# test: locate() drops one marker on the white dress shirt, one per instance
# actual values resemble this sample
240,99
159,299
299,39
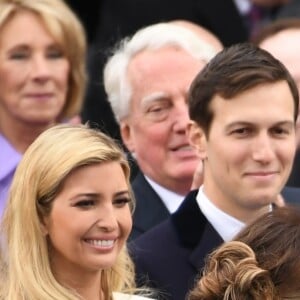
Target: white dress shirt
226,225
170,199
243,6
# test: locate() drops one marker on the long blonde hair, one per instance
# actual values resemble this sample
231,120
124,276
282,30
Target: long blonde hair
68,31
25,267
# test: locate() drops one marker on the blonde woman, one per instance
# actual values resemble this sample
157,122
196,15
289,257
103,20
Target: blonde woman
68,217
42,75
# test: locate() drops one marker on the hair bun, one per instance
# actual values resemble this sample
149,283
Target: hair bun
232,272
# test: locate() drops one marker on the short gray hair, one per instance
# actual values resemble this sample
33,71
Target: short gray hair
151,37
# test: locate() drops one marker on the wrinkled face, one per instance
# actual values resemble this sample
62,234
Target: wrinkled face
156,128
289,55
34,72
90,220
250,148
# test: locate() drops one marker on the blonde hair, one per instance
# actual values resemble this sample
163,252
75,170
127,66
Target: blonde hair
25,267
67,30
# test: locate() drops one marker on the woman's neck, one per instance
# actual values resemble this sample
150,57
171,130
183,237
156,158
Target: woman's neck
87,285
21,136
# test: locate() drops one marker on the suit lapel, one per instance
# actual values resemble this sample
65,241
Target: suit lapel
194,231
150,210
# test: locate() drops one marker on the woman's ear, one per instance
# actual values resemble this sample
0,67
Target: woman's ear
197,138
44,226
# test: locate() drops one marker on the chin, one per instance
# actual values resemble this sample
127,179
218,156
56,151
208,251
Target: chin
186,170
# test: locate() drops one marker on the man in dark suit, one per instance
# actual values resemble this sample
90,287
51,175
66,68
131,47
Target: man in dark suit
243,106
146,80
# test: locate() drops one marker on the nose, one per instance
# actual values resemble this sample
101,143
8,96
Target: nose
180,117
106,219
263,149
40,68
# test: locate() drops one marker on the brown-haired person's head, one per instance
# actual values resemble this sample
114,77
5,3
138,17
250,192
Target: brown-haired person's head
272,38
262,262
243,106
231,72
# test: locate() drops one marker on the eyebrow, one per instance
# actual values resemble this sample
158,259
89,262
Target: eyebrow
97,195
25,46
245,123
152,97
122,193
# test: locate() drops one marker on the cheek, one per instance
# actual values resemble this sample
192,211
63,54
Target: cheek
288,153
125,221
233,154
10,79
62,74
62,226
154,135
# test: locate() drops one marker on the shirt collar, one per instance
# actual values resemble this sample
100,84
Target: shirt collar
170,199
243,6
226,225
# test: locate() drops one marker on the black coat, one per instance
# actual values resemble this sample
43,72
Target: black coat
150,210
171,255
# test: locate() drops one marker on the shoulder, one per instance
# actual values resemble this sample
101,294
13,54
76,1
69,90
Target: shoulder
291,195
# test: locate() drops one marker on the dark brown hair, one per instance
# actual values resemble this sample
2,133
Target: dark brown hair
276,27
231,72
262,263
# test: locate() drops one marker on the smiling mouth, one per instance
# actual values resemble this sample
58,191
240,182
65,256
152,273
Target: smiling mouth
101,243
261,174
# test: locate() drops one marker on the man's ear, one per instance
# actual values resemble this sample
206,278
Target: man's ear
197,138
127,136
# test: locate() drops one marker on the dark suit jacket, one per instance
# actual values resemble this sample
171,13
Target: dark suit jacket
170,256
172,253
291,195
294,179
150,210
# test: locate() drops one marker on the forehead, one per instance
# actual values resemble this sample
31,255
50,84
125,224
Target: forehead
271,102
162,70
88,176
24,27
289,55
164,59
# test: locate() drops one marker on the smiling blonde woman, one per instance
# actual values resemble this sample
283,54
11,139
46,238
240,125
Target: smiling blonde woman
67,220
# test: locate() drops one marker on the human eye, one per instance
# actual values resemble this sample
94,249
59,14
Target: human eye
158,111
84,203
55,52
241,132
121,202
19,55
280,131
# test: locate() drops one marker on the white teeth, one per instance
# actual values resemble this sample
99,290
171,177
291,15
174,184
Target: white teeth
101,243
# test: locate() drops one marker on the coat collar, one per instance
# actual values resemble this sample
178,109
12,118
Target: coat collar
194,231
